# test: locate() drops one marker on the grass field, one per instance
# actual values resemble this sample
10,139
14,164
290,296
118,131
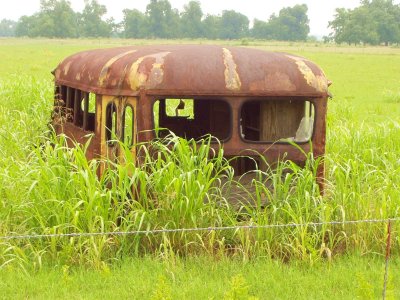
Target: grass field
50,189
205,278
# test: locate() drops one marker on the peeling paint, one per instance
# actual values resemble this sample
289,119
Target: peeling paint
232,79
138,78
66,67
106,67
319,82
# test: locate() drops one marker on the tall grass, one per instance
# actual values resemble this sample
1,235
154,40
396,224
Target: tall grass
46,187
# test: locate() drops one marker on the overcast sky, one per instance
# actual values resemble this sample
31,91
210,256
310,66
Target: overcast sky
319,11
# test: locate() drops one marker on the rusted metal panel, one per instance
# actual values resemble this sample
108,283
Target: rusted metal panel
198,69
80,136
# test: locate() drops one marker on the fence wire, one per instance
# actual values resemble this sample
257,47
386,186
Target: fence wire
181,230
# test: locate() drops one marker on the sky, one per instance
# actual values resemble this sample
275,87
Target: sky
320,12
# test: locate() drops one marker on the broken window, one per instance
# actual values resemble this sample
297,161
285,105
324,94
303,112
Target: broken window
192,118
274,120
88,110
111,124
128,125
69,106
76,106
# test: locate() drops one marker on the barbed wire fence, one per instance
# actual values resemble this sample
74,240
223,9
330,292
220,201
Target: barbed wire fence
388,221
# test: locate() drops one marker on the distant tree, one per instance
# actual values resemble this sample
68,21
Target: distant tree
28,26
23,25
135,24
373,22
174,24
234,25
116,27
7,27
340,25
353,27
292,24
55,19
211,27
91,23
386,16
163,21
261,30
191,20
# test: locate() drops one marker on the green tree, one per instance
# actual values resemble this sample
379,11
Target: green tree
261,30
56,19
27,26
135,24
191,20
340,25
91,23
23,25
386,17
234,25
373,22
211,27
7,27
174,24
292,24
163,21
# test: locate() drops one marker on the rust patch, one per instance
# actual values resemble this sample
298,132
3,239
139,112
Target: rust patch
106,67
232,79
138,78
274,82
319,82
80,74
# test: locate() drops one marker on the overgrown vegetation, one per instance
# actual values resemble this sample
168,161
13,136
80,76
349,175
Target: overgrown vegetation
47,188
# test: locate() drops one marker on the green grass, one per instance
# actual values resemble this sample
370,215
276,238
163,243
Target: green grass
47,188
206,278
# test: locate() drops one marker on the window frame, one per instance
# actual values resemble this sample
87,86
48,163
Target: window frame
154,99
133,125
108,133
279,142
69,102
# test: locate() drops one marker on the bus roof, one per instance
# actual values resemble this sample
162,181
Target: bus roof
191,70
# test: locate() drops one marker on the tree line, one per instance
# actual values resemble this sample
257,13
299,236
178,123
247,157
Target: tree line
372,22
56,19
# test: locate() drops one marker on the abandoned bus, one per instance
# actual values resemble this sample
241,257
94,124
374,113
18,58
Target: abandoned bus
253,101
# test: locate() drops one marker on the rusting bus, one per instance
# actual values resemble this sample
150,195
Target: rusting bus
252,100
